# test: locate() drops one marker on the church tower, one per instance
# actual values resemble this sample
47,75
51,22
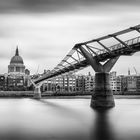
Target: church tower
16,64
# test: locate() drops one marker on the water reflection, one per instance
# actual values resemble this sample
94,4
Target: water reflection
102,129
68,119
62,109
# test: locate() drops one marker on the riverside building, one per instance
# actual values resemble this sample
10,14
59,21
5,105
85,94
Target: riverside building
89,83
131,83
70,83
115,82
17,77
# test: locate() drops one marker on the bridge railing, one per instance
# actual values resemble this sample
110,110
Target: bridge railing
75,60
133,41
112,48
61,66
119,45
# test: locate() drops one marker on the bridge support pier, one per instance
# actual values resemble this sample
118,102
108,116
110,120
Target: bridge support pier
102,96
37,93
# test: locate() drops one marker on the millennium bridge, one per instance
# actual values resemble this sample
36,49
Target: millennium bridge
101,58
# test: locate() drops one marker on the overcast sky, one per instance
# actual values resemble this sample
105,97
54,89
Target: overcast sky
46,30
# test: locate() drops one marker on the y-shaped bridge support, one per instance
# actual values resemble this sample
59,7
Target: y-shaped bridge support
37,91
102,96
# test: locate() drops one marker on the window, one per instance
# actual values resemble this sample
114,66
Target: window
17,69
12,69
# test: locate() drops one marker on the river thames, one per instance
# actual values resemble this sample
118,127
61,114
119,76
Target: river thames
68,119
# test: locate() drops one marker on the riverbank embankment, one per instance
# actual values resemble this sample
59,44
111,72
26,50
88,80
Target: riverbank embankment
18,94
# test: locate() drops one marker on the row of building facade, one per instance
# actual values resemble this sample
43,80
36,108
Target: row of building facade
69,83
85,83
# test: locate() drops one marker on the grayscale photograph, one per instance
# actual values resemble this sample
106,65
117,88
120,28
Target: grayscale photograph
69,70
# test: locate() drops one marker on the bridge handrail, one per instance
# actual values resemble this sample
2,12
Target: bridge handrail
66,65
114,47
119,45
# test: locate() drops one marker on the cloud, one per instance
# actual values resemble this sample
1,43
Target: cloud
44,38
56,5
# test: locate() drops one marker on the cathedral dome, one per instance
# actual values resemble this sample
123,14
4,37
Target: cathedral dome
16,59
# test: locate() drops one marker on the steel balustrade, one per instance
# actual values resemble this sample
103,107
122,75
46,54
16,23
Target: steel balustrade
78,62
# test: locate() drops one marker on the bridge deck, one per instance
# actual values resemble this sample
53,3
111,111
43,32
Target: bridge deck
128,47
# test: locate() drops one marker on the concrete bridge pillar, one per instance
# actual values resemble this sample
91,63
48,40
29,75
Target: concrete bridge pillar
102,96
37,92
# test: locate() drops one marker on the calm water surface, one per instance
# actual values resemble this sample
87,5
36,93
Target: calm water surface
68,119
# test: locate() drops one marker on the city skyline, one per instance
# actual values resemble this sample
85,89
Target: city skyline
46,31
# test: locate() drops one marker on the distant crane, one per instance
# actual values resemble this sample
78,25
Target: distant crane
135,71
128,71
37,69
